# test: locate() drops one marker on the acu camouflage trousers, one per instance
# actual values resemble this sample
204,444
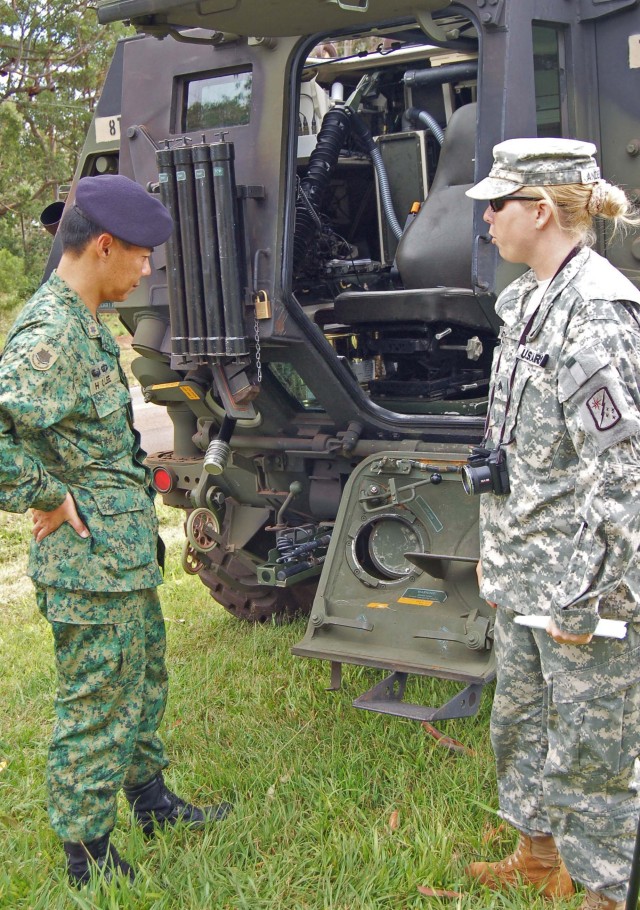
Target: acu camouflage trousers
112,692
565,729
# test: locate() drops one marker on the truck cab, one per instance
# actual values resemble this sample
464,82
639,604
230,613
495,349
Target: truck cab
320,327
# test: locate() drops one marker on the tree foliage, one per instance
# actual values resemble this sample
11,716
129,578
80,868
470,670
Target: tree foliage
53,60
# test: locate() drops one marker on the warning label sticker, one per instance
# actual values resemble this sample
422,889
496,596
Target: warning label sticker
422,597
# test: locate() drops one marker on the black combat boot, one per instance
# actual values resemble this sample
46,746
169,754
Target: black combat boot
154,804
97,856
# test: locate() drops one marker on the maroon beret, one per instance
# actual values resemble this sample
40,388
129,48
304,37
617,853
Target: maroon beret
123,208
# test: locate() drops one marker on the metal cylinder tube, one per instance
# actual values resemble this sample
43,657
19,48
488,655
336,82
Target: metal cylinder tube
50,217
219,450
189,236
228,224
175,270
438,75
209,254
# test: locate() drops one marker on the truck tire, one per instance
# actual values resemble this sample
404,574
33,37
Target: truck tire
251,602
230,575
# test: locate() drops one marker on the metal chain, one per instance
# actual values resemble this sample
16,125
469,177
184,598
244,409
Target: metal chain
258,360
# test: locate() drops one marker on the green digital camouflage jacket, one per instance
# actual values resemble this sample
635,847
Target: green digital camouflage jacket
566,401
66,425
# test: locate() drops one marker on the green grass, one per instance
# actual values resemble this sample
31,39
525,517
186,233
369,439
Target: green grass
9,309
314,782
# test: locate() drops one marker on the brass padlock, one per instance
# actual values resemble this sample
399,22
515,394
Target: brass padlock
263,305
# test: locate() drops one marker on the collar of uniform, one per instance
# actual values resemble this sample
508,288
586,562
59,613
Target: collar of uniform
556,287
68,296
509,304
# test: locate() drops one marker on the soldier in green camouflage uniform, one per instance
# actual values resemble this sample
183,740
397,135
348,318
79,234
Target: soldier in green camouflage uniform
68,451
565,410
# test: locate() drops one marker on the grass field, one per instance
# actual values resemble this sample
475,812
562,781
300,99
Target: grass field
335,809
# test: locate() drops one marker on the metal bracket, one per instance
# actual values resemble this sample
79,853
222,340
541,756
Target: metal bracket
491,13
336,676
200,495
361,622
595,9
477,632
435,564
386,698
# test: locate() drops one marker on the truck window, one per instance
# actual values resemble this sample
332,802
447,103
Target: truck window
217,101
294,385
549,70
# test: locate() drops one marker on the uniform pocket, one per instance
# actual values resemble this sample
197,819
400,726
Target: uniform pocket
90,662
108,399
116,502
124,528
599,678
599,711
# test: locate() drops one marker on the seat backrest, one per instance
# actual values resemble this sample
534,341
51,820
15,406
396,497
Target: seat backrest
436,249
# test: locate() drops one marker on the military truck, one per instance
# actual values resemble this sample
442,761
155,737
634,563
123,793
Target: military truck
320,327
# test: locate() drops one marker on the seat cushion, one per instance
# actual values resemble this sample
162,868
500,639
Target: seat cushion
454,306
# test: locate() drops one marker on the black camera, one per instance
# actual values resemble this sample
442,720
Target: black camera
485,472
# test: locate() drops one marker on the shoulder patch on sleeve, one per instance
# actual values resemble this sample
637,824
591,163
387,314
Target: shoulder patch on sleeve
603,409
606,411
43,355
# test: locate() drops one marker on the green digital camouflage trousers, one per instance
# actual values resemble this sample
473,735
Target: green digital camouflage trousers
112,691
565,729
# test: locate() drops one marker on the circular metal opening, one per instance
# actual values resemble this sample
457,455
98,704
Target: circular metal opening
381,543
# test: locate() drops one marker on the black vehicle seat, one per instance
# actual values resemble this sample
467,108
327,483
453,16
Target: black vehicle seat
436,248
434,253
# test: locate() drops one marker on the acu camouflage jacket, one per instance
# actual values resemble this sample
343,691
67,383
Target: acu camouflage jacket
566,403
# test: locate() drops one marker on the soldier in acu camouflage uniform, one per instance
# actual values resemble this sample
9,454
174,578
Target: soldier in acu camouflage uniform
565,411
69,452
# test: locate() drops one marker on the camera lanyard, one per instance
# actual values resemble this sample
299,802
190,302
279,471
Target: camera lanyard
521,341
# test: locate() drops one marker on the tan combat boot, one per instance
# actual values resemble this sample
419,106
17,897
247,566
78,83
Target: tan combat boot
535,861
595,901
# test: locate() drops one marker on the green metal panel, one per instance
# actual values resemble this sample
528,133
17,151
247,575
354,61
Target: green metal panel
377,607
266,17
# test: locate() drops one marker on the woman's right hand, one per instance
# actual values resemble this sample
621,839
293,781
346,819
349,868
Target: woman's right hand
479,574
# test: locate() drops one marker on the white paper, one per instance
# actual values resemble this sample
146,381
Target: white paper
606,628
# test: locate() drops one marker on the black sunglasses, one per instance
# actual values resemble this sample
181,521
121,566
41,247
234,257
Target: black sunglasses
496,205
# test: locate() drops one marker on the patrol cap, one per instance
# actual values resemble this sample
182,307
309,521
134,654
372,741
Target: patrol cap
537,162
123,208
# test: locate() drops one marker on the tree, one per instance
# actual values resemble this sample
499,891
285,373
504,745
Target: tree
53,60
